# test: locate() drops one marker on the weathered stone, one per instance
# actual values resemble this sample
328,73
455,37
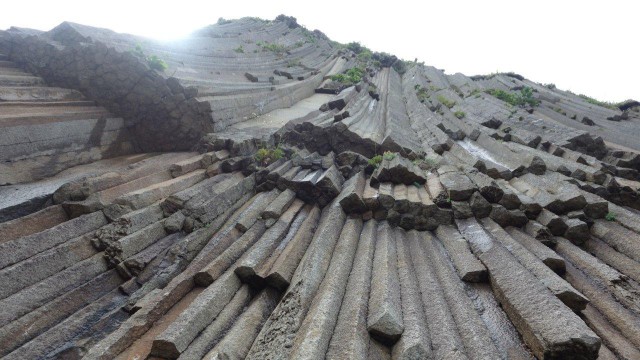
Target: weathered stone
577,231
398,170
279,205
558,286
350,337
554,261
506,217
237,342
385,313
315,332
535,312
469,268
538,231
414,342
353,203
487,187
458,186
249,265
537,166
175,339
479,205
14,251
461,209
280,273
553,222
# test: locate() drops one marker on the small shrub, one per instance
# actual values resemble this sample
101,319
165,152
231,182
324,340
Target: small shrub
610,216
293,63
375,161
432,163
421,93
388,155
474,92
350,77
426,163
356,47
156,63
223,21
459,114
525,97
365,55
239,49
446,102
276,48
267,156
606,104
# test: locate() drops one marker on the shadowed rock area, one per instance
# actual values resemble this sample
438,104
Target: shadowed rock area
258,191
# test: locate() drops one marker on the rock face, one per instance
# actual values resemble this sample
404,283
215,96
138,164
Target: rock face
277,196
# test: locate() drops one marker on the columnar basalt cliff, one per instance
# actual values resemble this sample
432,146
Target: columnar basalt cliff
259,191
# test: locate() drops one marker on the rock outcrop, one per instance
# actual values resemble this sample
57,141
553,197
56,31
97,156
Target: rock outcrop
271,194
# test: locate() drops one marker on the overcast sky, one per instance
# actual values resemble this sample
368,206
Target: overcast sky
588,47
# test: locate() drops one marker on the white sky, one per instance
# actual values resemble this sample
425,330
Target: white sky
588,47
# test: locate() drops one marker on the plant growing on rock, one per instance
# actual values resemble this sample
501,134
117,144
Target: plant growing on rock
239,49
350,77
389,155
611,216
606,104
426,163
266,156
375,161
525,97
276,48
459,114
446,102
421,93
153,61
156,63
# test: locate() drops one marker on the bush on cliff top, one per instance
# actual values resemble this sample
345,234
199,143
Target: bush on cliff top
525,97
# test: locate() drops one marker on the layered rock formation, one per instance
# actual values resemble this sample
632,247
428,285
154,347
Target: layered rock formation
272,194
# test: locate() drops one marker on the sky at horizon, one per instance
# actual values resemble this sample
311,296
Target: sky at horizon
584,46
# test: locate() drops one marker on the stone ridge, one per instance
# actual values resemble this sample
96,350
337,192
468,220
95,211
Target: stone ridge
334,203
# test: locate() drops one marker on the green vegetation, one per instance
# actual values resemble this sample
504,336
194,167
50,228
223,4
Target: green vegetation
266,156
401,66
446,102
375,161
458,91
153,61
388,155
606,104
421,93
525,97
356,47
156,63
475,92
350,77
365,55
276,48
459,114
239,49
610,216
426,163
294,62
